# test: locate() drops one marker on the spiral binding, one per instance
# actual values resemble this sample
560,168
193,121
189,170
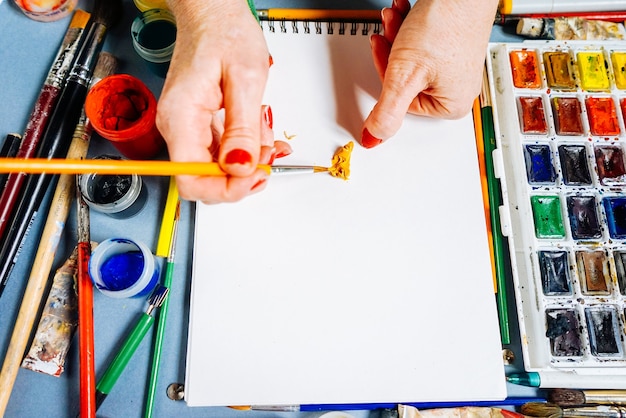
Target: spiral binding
332,27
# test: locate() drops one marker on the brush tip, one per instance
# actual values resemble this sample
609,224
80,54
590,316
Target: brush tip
567,397
106,65
541,409
107,12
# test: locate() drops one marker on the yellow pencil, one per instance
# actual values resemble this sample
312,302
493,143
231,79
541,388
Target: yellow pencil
320,14
139,167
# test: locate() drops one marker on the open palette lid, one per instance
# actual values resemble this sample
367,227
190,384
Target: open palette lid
559,111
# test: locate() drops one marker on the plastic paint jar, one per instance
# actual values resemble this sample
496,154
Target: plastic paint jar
144,5
123,268
117,195
46,10
122,109
154,38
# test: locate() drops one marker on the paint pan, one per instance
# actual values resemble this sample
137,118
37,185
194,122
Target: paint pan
539,166
533,118
592,68
154,37
610,164
620,270
525,65
562,328
564,198
603,331
574,164
602,116
583,217
615,210
618,59
593,270
559,74
547,217
567,116
555,273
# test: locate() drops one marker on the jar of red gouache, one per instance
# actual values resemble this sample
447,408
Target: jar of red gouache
122,109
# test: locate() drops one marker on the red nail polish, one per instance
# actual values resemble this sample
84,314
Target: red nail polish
368,140
258,184
238,156
268,117
271,60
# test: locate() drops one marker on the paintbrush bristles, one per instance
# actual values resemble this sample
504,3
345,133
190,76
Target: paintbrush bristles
573,397
107,12
541,409
567,397
106,65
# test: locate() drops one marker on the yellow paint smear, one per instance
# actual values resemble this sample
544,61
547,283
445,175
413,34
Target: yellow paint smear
341,162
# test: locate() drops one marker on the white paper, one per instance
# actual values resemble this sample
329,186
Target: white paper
375,289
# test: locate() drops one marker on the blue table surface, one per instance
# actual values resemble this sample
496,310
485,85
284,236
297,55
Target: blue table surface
27,48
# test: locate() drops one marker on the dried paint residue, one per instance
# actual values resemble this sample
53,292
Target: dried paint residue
341,162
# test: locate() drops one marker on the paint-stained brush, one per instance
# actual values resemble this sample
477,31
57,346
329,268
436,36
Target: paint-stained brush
115,369
58,135
48,244
44,107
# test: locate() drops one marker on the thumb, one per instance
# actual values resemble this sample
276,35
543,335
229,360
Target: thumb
400,88
241,143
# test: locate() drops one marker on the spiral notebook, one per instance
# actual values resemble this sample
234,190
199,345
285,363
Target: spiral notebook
319,290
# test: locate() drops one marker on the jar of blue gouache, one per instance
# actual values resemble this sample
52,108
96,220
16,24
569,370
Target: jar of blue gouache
154,37
123,268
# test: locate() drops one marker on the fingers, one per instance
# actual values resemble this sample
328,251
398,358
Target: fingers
241,144
380,53
385,119
402,6
392,20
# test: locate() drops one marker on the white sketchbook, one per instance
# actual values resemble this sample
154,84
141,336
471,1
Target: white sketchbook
319,290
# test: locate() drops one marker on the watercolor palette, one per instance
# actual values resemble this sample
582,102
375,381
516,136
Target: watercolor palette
560,111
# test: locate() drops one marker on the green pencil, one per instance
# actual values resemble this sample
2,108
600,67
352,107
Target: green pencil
160,330
495,200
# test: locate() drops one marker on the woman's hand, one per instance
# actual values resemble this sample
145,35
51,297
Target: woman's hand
220,61
430,59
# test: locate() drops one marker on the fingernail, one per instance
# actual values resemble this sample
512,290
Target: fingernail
268,117
271,60
258,184
238,156
368,140
272,156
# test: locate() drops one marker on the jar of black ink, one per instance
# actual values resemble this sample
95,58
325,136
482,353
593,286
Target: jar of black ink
117,195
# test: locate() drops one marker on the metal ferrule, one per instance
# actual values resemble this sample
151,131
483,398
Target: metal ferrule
88,56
